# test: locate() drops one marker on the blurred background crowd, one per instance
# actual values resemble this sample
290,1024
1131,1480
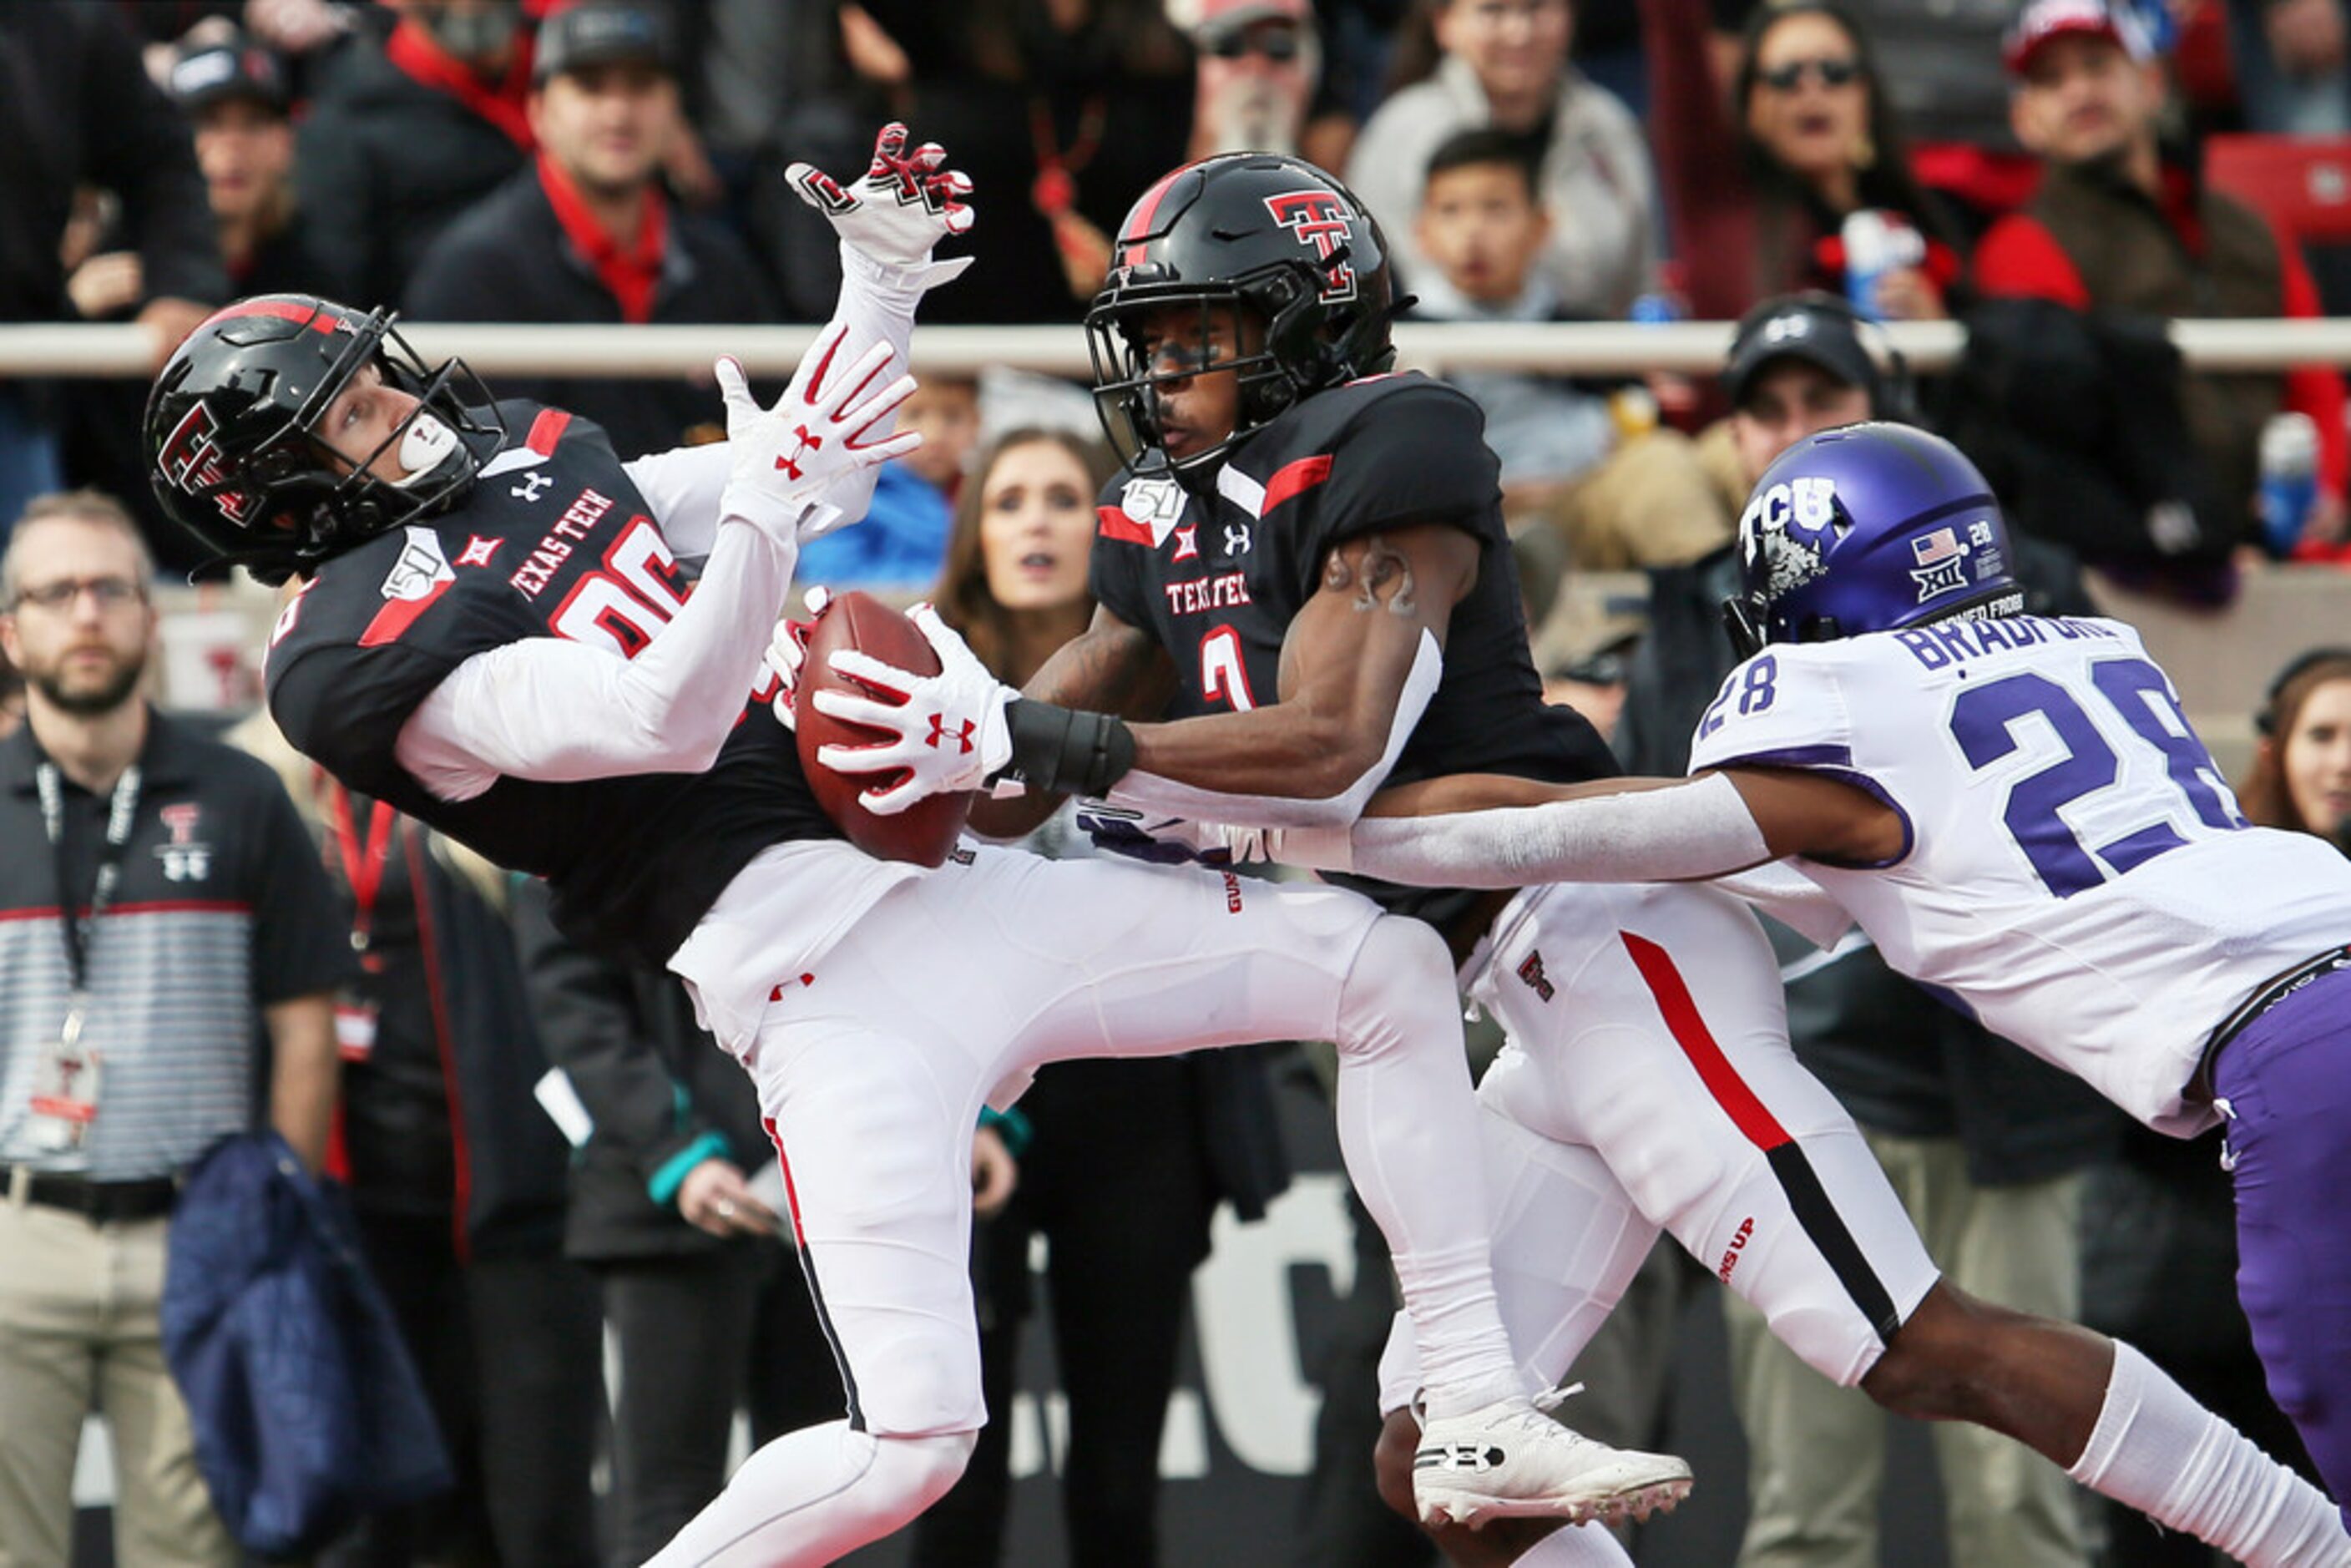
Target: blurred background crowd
554,1173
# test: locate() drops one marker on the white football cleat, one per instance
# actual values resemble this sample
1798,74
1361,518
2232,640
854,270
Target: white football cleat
1509,1460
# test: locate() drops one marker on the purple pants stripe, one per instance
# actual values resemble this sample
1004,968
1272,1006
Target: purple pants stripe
2287,1083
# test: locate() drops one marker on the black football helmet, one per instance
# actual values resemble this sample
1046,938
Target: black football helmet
231,446
1270,232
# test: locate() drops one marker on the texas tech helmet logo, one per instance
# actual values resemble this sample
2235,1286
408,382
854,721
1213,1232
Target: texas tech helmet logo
190,460
1319,218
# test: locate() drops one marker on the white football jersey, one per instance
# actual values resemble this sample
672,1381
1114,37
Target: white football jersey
2076,873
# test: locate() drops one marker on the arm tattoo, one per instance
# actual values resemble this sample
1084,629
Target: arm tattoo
1380,574
1122,672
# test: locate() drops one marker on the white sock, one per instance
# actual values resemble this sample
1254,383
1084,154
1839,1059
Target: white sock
815,1495
1577,1546
1408,1130
2158,1451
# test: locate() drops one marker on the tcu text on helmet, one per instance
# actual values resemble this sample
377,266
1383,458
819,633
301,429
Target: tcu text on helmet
1807,503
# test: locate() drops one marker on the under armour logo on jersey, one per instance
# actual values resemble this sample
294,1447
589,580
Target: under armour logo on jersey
531,486
791,466
940,734
1237,538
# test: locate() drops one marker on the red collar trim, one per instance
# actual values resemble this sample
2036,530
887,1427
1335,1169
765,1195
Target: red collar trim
2180,206
631,273
412,51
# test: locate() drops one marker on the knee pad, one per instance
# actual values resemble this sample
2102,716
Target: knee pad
1399,988
917,1378
923,1467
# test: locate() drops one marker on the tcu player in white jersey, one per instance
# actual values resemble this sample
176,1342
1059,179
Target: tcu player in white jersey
494,635
1296,524
2016,811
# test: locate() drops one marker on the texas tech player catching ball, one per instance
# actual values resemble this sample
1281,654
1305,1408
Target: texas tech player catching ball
494,633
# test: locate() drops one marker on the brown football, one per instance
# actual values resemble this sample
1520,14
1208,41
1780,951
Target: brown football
925,832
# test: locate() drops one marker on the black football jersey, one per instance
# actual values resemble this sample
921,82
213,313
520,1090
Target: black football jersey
1219,577
554,540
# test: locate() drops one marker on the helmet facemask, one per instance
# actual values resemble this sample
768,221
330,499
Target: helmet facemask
256,483
1285,248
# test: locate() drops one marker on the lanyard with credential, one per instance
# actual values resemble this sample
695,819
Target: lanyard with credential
362,867
80,930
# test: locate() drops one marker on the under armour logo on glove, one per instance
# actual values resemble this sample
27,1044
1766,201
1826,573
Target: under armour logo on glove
919,714
790,460
906,204
789,466
939,736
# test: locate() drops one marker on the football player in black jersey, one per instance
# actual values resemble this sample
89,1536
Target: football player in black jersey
1305,594
493,632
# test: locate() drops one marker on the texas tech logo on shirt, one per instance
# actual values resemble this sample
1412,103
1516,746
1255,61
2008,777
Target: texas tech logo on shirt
1319,218
186,858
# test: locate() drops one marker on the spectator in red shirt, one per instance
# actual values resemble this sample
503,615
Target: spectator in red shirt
2121,226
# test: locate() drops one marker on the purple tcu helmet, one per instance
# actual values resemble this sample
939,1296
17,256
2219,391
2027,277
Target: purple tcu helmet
1865,529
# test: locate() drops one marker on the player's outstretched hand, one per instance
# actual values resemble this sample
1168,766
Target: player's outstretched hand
906,205
1167,841
788,459
788,651
948,731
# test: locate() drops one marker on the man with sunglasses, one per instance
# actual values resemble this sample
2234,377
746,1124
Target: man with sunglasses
1260,64
161,909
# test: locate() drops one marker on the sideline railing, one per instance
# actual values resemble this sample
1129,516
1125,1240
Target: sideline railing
1590,347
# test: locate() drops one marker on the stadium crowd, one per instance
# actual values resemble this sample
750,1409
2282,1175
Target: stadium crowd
2035,171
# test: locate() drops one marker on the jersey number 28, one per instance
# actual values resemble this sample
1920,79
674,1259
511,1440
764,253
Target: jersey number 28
1984,720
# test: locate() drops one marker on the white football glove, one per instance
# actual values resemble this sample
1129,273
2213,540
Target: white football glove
790,459
906,205
1168,841
788,651
950,730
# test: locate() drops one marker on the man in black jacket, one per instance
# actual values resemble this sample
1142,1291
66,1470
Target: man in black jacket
704,1305
586,234
76,108
405,133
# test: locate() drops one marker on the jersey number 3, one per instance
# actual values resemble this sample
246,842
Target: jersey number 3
1224,674
1984,720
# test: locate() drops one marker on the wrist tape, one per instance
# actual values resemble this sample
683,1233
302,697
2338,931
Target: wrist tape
1062,750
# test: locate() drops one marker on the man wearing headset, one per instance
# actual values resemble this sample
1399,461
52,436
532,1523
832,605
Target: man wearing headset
1985,1145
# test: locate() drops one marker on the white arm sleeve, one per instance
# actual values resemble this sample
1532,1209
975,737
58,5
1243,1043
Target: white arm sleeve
550,710
1792,899
1150,792
1700,829
682,486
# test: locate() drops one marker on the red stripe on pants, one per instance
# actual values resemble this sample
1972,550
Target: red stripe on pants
1714,1069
